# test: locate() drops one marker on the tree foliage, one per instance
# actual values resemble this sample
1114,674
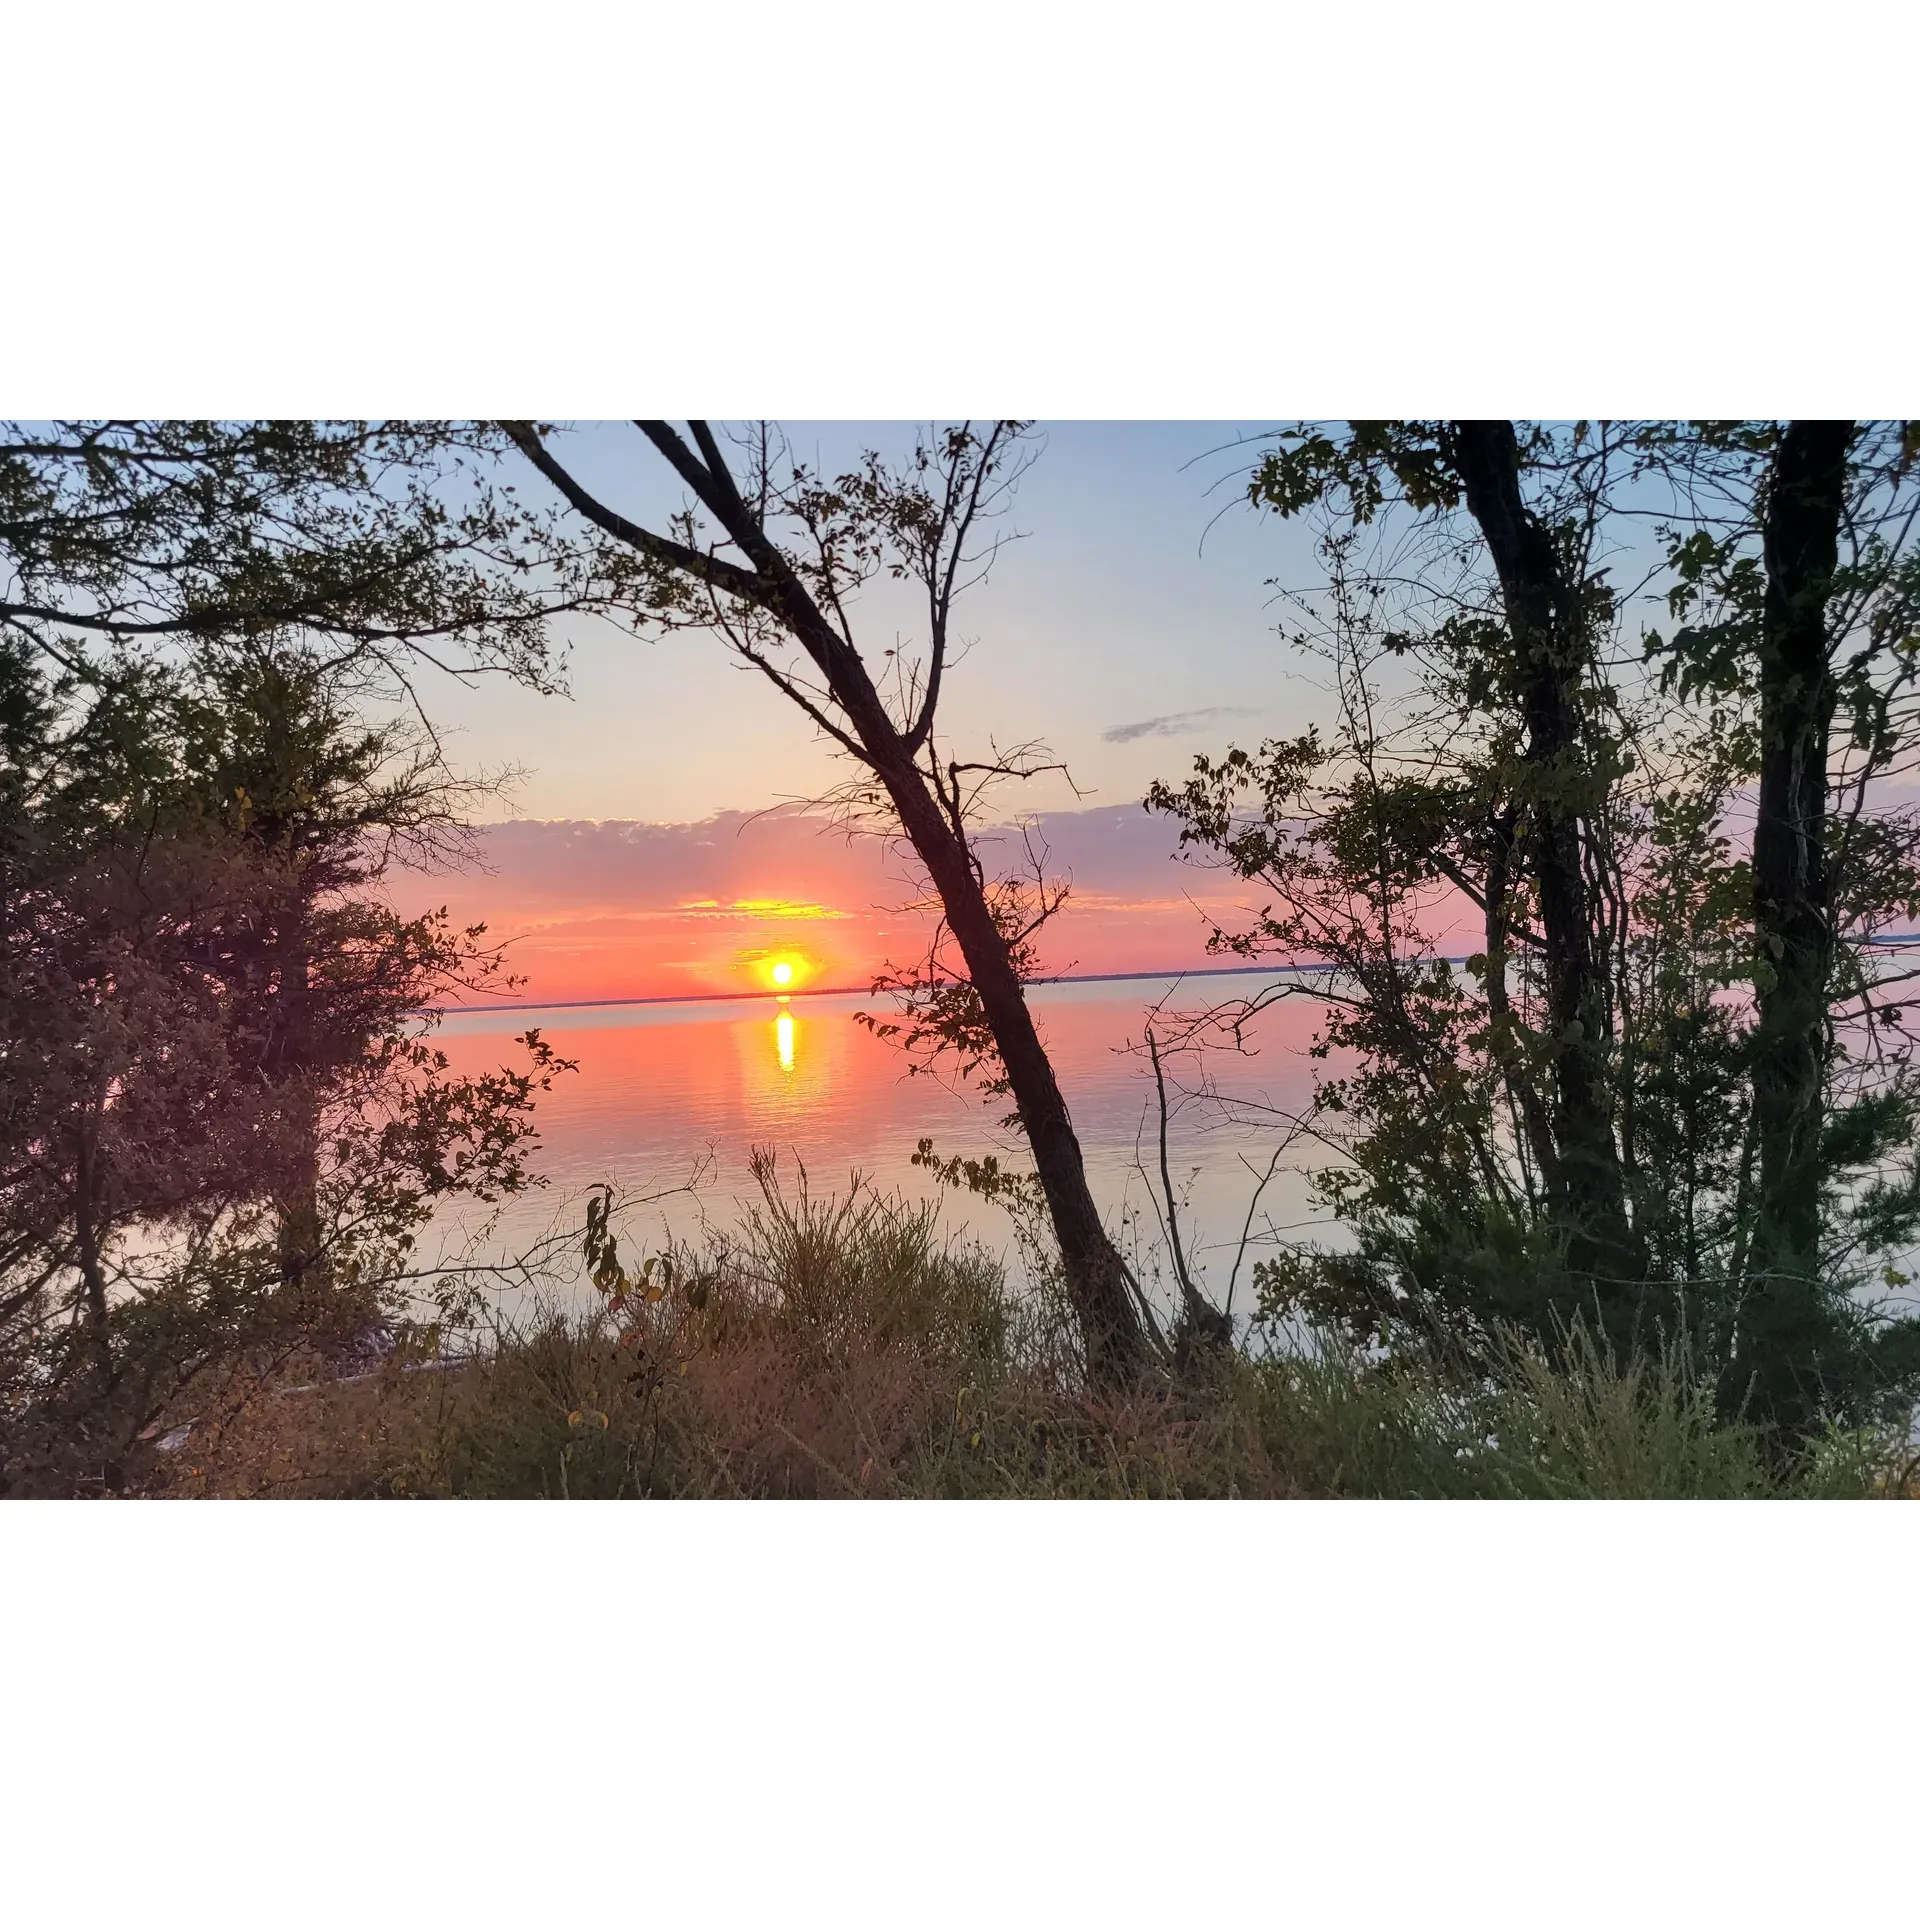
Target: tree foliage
222,1118
1569,1119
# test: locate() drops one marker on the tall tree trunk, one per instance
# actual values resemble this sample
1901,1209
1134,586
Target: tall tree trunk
297,1200
291,1057
294,1065
1501,1026
1553,652
89,1247
1784,1311
1096,1274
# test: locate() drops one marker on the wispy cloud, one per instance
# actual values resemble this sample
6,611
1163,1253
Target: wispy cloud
1164,725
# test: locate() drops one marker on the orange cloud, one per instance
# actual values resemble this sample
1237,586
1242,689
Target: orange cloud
761,910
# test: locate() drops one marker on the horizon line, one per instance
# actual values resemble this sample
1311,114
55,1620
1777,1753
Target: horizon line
828,993
1051,980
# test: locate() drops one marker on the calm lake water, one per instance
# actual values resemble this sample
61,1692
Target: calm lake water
663,1090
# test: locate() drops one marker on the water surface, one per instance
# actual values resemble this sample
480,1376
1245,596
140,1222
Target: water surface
667,1089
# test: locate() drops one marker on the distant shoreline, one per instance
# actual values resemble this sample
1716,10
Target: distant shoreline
1052,980
866,993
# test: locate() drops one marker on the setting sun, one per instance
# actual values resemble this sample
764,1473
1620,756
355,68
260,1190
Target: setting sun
784,969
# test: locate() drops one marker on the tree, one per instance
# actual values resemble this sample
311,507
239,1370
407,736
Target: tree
323,804
1798,588
791,551
1548,604
114,1056
224,1121
1642,1089
1792,892
1552,604
382,542
216,1081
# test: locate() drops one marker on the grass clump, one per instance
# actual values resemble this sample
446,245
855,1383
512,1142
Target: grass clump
1511,1420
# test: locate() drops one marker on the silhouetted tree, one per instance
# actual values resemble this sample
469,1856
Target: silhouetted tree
789,551
1641,1104
216,1075
1798,586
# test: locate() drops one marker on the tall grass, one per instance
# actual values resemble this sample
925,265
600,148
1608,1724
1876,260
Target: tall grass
845,1345
1512,1420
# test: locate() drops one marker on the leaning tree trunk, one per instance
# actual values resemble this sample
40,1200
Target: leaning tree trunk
1096,1274
1784,1313
1553,651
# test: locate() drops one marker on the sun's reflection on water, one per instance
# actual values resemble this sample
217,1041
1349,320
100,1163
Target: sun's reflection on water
661,1084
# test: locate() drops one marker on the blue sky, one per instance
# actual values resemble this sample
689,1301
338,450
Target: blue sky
1136,596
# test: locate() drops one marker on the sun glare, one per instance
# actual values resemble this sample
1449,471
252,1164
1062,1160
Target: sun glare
783,1041
783,971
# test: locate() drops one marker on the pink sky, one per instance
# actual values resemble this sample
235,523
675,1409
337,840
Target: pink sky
623,909
1129,627
619,909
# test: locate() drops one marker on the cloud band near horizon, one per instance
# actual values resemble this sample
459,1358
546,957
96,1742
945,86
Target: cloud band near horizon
617,909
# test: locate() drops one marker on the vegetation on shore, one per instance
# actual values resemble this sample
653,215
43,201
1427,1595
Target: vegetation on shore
1627,1203
845,1347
